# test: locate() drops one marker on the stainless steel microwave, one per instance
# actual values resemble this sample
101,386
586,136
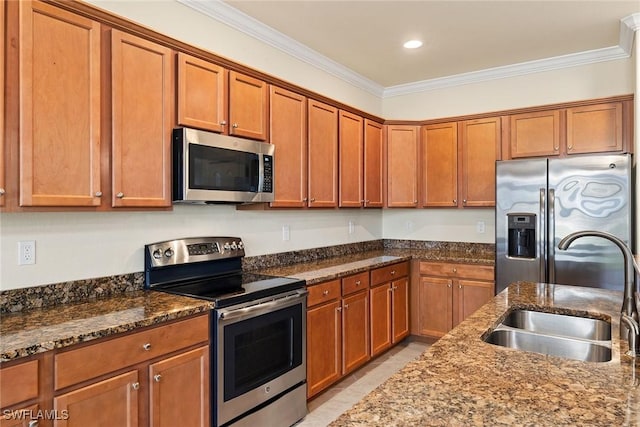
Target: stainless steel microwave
215,168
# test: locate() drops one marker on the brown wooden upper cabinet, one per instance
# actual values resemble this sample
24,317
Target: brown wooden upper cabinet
142,102
210,97
480,142
595,128
288,132
323,155
440,165
59,107
402,166
373,164
351,142
202,94
535,134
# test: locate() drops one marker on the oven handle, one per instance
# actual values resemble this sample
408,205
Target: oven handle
268,305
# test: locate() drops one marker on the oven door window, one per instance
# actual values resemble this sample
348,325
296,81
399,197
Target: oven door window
212,168
261,348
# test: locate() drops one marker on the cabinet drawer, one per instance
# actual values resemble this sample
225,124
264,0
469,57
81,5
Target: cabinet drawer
355,283
388,273
444,269
18,383
84,363
323,292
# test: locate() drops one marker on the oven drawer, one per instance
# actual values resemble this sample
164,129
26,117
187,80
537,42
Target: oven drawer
88,362
355,283
389,273
324,292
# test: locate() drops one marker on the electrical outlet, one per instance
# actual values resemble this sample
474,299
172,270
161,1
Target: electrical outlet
480,227
27,252
352,226
285,233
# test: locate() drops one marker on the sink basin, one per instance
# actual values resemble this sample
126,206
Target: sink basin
561,335
584,350
559,324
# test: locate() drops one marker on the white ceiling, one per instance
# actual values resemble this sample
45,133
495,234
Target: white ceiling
361,40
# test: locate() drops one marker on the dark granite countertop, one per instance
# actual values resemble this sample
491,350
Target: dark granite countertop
463,381
332,268
36,331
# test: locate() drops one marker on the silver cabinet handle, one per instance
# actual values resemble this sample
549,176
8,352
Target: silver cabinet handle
33,423
304,199
235,125
393,272
455,270
455,201
448,285
325,292
464,201
120,195
358,282
223,123
157,378
98,193
346,306
2,194
312,200
459,286
135,385
339,309
146,346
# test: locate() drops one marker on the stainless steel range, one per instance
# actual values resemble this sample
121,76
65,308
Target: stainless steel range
258,328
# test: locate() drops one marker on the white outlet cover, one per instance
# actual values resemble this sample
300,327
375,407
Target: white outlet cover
26,252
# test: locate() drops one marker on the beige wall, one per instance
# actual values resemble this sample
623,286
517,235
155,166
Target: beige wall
73,246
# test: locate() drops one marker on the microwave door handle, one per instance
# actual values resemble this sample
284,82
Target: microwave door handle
260,173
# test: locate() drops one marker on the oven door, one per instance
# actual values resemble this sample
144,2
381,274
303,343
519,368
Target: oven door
260,353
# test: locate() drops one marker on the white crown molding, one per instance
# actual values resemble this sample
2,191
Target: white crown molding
240,21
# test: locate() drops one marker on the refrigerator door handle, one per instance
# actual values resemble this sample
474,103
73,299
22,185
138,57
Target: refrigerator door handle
542,235
551,236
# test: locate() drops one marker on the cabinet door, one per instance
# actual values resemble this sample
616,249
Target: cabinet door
402,166
400,309
373,165
202,94
19,383
59,107
323,155
324,344
380,310
143,98
288,132
535,134
479,151
470,296
183,378
248,106
594,128
440,165
435,306
2,83
20,417
351,143
355,331
112,402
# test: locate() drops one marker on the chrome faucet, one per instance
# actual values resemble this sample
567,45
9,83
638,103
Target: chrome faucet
629,327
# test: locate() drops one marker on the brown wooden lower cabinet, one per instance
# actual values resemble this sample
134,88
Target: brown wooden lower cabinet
389,314
448,293
19,417
323,346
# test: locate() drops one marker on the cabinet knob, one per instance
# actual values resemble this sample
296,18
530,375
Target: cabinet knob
304,199
393,288
235,125
339,309
346,306
120,195
1,191
464,201
98,193
325,292
448,285
455,270
459,286
146,346
569,147
135,385
223,123
393,272
157,378
33,423
358,282
455,201
312,200
415,202
556,148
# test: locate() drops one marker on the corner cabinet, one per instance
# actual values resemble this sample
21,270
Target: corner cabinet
60,107
142,79
448,293
402,166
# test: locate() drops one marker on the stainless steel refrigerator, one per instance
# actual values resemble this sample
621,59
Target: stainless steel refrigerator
540,201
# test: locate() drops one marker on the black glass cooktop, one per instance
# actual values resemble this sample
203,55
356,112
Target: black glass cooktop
231,289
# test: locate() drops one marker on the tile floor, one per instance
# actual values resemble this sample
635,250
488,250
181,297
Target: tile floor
343,395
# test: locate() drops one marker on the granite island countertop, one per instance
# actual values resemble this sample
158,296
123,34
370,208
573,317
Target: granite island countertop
36,331
463,381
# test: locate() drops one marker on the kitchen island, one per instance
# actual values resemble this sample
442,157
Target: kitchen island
461,380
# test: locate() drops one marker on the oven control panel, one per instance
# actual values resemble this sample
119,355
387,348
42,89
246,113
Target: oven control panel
193,249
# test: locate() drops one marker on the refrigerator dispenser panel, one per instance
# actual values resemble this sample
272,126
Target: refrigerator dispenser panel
521,235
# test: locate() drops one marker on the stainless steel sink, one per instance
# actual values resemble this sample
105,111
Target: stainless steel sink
560,335
559,324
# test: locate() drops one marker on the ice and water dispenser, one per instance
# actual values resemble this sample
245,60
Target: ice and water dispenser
522,235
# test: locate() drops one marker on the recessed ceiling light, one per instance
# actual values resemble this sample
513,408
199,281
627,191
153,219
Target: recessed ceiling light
412,44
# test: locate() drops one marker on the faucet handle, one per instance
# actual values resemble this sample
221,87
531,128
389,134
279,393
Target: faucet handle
633,336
